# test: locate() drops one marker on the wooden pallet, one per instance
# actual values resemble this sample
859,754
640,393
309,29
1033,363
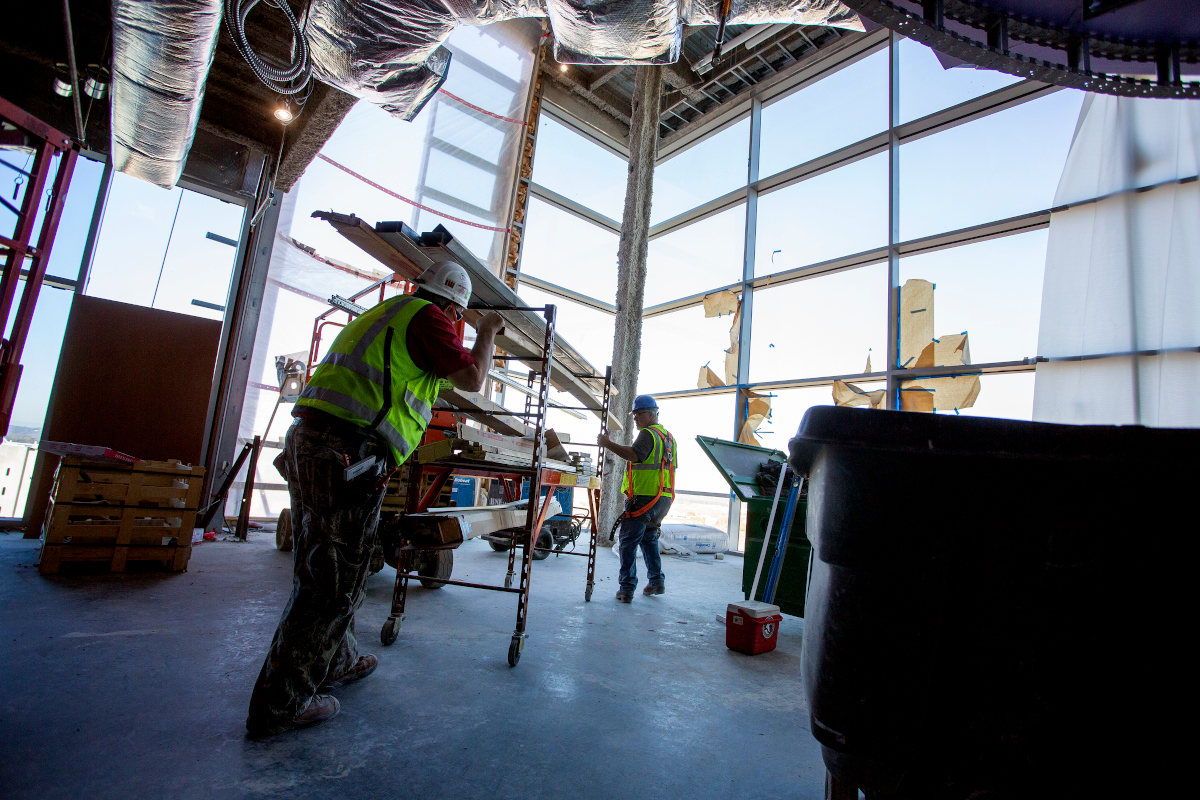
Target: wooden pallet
152,484
115,513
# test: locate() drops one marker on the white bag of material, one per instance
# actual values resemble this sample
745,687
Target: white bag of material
683,539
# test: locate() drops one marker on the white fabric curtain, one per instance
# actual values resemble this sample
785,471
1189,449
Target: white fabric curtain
1120,320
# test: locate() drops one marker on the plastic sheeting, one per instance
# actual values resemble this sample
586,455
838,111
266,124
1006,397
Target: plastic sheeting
387,53
438,159
161,55
1123,273
760,12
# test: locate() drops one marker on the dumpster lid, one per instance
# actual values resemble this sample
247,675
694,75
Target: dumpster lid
753,608
738,464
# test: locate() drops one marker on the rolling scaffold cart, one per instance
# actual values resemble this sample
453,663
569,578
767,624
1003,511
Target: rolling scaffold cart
539,476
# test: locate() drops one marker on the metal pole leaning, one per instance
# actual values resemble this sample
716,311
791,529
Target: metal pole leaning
762,557
785,530
533,515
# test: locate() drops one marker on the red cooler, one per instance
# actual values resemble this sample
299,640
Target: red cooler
752,627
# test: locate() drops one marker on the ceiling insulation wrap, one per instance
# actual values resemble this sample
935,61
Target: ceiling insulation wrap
761,12
386,52
161,55
485,12
615,31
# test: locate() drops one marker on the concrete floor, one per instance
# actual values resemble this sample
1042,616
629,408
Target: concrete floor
136,686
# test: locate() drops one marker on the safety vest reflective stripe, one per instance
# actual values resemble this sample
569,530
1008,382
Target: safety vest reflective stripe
388,393
358,409
355,364
416,404
660,461
372,333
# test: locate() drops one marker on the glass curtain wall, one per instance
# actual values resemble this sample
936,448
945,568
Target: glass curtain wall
973,157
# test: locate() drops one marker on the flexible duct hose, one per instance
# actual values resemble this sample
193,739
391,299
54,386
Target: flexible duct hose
289,81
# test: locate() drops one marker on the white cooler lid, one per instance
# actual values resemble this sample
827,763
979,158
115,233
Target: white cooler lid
753,608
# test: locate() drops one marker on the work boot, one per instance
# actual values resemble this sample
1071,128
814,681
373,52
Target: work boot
624,596
361,669
319,709
649,590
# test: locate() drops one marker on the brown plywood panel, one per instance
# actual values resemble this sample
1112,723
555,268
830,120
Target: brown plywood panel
131,378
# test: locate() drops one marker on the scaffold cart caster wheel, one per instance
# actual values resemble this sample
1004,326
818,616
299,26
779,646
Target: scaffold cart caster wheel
587,594
391,629
514,651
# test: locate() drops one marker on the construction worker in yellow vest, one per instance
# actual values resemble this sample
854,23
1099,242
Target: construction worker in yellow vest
363,412
648,485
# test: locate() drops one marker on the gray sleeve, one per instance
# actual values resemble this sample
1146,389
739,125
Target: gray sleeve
643,445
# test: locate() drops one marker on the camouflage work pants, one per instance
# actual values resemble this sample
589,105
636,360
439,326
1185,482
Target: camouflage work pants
334,524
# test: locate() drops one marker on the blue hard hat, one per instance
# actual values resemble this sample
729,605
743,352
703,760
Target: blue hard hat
643,401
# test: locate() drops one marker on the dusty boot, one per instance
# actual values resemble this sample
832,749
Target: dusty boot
624,596
319,709
649,590
361,669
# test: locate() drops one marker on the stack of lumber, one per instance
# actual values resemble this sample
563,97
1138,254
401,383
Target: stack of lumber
397,491
481,445
582,462
102,511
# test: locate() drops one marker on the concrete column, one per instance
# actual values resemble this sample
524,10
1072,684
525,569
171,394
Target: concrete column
631,278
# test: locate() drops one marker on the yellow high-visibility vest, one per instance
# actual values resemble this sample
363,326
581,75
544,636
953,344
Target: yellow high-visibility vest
368,378
657,471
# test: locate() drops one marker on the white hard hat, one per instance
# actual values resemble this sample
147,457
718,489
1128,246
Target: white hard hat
447,279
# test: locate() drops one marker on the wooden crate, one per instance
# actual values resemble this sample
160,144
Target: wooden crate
150,484
113,513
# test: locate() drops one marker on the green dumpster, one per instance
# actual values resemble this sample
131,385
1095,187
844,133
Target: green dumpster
738,463
793,579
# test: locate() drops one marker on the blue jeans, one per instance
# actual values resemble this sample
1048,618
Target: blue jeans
643,531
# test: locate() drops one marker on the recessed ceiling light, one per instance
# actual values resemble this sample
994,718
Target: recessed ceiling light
284,114
562,67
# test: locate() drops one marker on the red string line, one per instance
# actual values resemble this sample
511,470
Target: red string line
404,199
481,110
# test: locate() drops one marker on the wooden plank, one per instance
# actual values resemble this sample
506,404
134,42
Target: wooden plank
476,406
525,330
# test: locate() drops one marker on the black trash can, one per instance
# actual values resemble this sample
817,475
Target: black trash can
996,607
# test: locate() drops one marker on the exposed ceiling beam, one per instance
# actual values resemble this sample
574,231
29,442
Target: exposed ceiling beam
605,77
607,101
584,117
324,111
680,76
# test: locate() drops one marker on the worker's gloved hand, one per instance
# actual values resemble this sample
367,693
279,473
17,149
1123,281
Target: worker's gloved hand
491,323
603,440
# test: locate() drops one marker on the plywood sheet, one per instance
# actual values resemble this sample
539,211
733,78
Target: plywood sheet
134,379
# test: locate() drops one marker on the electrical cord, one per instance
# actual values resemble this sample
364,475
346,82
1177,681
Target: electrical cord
291,80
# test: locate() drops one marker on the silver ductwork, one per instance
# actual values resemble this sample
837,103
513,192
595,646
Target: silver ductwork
615,31
388,53
832,13
161,54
